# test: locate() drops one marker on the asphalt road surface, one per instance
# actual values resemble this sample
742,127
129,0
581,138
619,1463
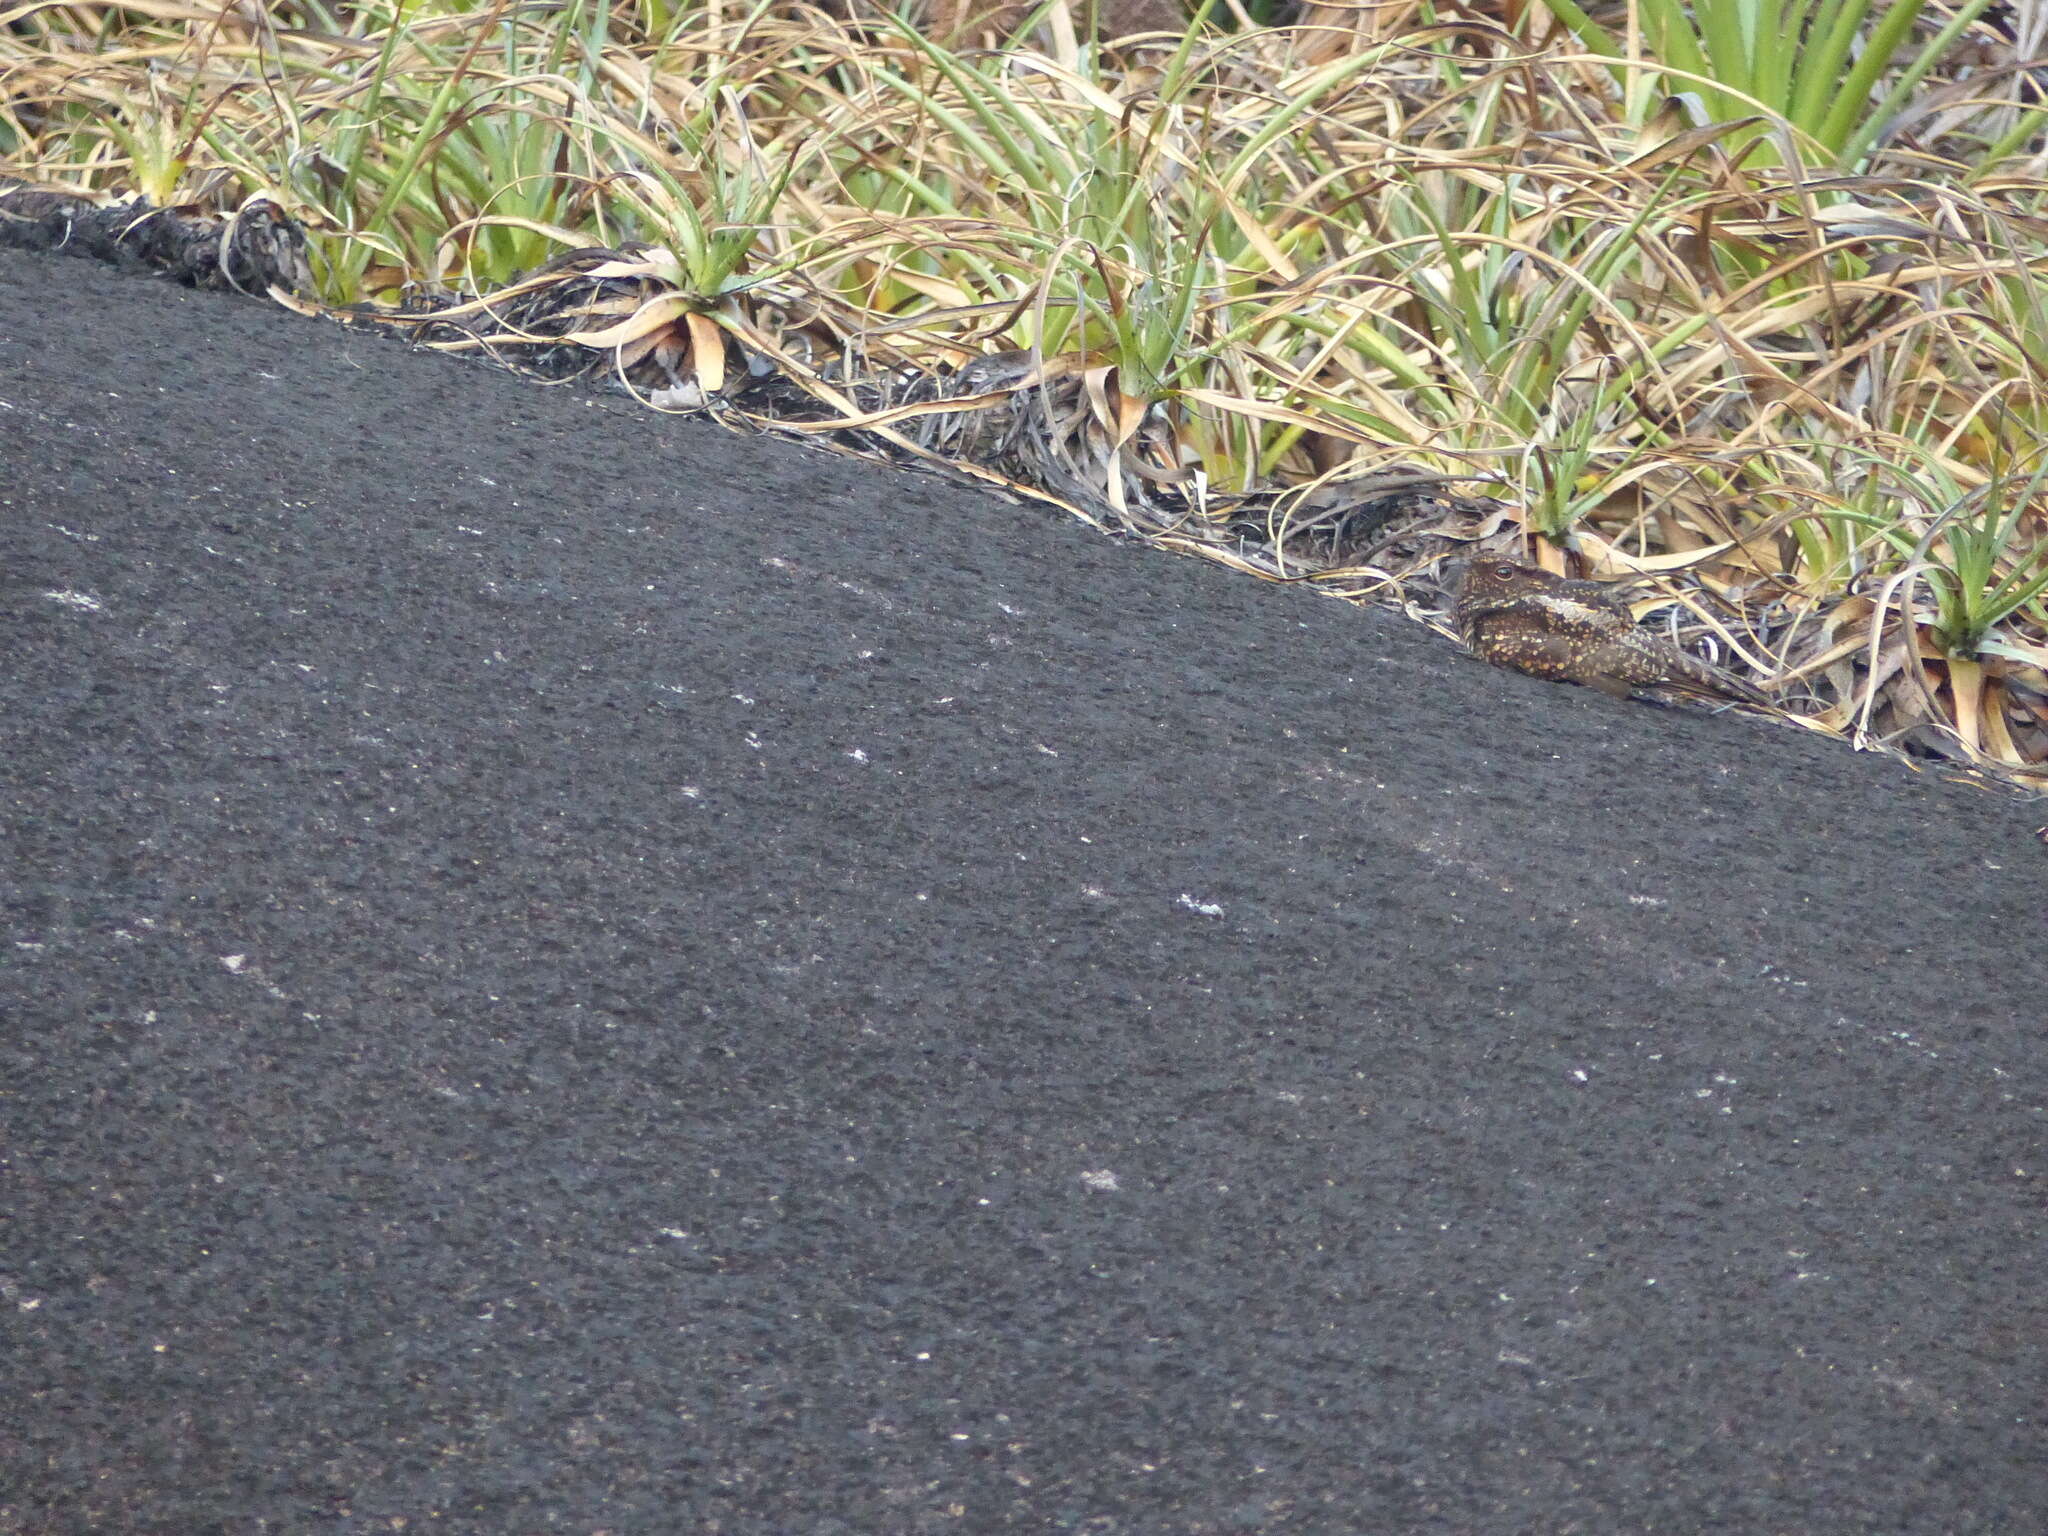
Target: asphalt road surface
572,971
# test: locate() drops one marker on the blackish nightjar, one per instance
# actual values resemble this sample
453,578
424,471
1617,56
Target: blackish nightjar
1518,616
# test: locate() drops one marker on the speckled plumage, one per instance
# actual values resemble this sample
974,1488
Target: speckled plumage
1528,619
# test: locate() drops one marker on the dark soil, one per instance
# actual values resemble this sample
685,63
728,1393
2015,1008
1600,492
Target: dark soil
569,971
249,251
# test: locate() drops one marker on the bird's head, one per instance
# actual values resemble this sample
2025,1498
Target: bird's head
1490,575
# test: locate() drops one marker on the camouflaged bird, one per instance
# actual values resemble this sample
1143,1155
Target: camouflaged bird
1574,632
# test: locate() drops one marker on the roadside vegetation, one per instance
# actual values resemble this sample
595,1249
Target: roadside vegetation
1745,301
